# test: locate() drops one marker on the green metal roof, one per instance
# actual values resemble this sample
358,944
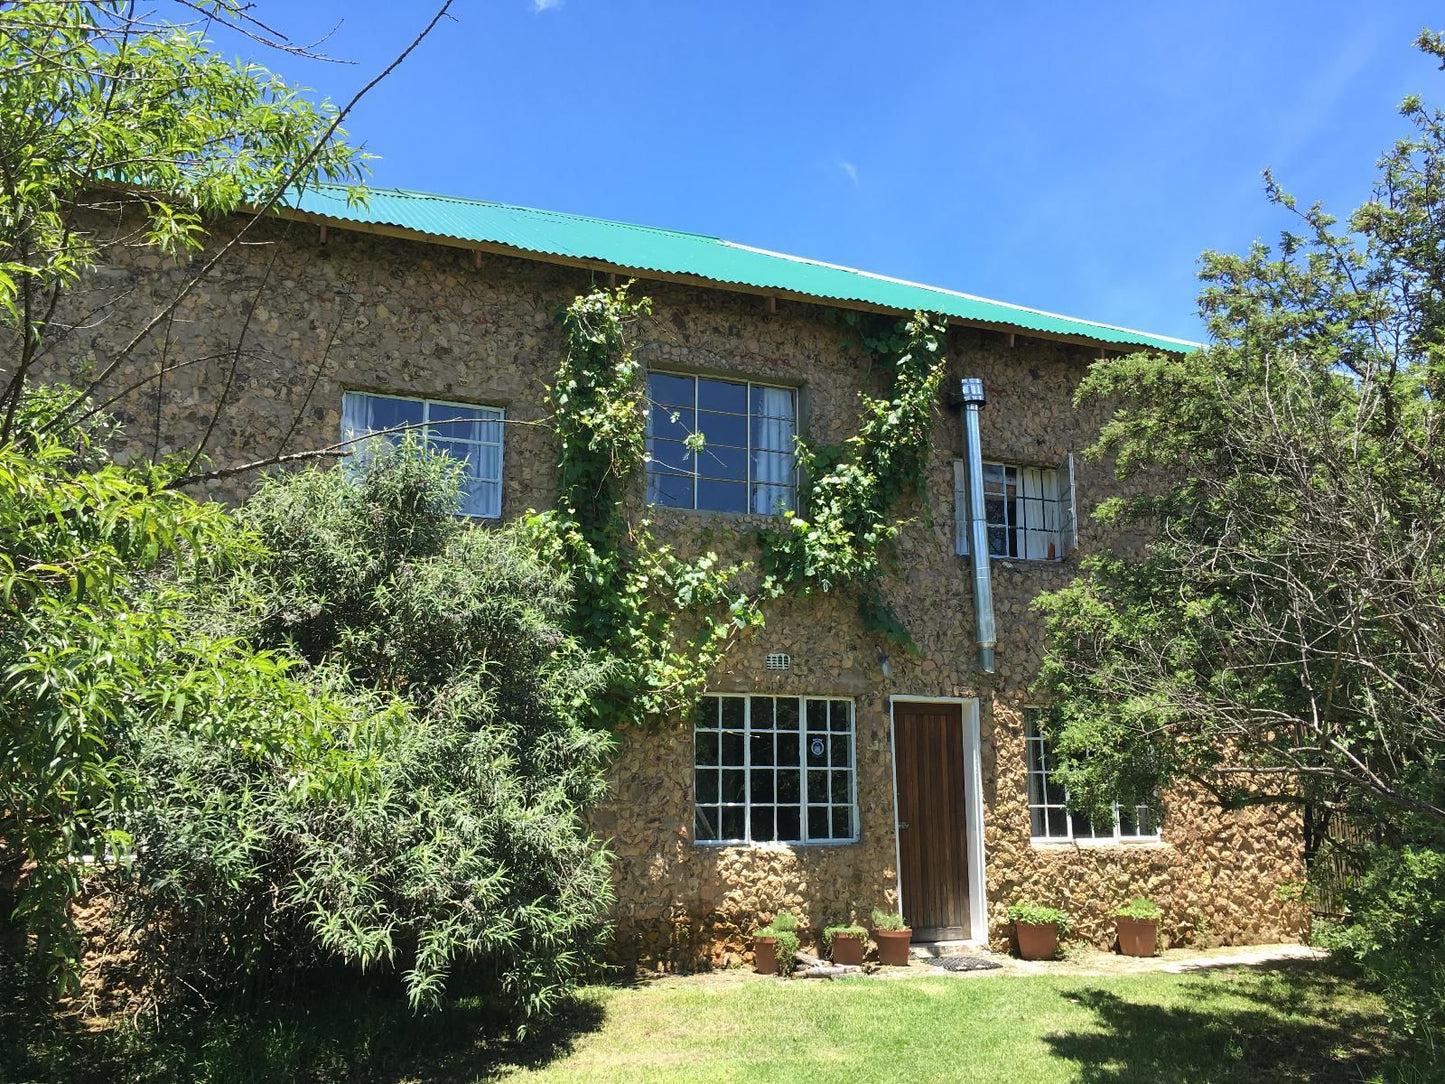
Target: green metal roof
644,248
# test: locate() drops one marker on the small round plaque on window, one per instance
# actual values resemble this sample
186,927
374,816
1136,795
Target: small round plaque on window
816,748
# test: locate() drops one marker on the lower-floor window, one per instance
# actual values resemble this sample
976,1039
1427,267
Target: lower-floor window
1049,814
774,768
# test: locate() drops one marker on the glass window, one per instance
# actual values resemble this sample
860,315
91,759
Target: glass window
720,445
1028,511
1049,816
774,768
471,434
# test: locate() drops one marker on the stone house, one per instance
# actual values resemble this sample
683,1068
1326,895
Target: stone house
825,772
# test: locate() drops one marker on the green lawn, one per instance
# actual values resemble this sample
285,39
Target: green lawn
1286,1022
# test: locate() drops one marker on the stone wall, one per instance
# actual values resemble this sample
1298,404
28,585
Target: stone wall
383,315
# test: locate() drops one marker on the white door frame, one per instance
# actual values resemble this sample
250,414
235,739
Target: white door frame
972,806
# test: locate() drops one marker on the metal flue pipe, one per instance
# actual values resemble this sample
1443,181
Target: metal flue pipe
973,400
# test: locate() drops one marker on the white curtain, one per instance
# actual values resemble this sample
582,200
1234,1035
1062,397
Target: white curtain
774,474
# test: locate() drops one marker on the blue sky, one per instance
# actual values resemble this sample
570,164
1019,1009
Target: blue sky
1067,156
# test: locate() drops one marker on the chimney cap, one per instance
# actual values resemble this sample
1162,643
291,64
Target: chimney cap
971,388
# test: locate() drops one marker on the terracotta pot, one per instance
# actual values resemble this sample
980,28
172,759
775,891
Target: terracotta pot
847,949
1037,942
765,955
893,946
1138,936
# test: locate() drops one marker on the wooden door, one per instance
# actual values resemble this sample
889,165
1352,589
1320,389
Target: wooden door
932,841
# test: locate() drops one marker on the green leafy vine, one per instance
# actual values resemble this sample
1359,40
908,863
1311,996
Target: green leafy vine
659,623
847,537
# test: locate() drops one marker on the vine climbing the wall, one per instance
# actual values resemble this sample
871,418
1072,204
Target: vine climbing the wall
847,535
657,623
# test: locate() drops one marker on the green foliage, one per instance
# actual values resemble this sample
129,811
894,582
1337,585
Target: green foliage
784,931
848,930
1278,637
785,921
654,622
1396,935
887,920
1283,620
93,643
464,847
1031,914
852,492
1144,910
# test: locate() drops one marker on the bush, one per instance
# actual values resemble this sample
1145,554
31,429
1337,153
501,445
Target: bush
438,823
831,932
1396,934
783,929
887,920
1034,915
1140,909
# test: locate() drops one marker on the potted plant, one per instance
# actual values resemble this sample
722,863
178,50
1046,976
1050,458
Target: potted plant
1138,927
1037,930
774,945
893,937
845,943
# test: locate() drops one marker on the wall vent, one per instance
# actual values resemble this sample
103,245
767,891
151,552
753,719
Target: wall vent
778,660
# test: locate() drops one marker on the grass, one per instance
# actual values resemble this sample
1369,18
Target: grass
1288,1022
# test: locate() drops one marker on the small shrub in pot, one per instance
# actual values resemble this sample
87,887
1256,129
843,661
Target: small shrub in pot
1037,930
1138,927
845,943
893,937
774,945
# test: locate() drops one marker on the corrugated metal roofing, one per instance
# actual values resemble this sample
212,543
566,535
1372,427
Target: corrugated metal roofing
644,248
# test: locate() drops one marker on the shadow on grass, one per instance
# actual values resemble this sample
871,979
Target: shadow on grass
334,1036
1287,1021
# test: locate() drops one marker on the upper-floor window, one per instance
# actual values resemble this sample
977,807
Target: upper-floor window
471,434
1029,510
774,768
721,445
1049,814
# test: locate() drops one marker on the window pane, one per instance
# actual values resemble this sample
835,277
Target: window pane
732,748
762,749
669,490
818,822
669,457
762,712
788,749
840,751
728,429
788,715
734,785
705,747
787,784
1058,823
723,395
1038,825
817,785
842,822
817,714
705,823
762,785
705,785
762,824
387,413
722,496
841,715
727,464
732,822
732,712
789,823
660,423
817,751
673,391
839,791
454,422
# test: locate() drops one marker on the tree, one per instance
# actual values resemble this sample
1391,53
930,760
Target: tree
1280,636
444,831
116,120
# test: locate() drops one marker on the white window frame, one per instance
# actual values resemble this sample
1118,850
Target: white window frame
1036,765
805,837
697,475
424,430
1042,517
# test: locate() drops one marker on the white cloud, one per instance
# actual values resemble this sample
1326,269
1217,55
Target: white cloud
539,6
849,170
